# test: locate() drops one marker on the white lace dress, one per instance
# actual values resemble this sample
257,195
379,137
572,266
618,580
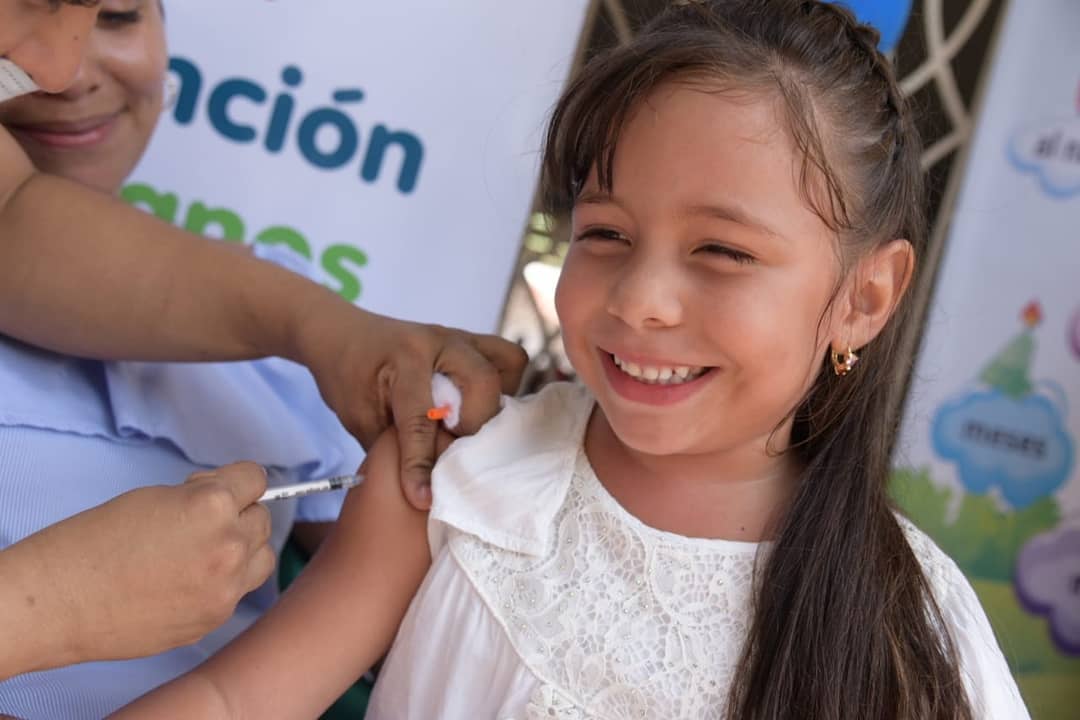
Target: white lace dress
546,599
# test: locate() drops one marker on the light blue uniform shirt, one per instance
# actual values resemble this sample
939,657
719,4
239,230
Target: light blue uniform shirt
75,433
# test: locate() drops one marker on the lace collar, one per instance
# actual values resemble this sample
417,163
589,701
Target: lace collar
505,484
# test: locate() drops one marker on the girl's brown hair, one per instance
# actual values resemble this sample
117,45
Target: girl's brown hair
845,625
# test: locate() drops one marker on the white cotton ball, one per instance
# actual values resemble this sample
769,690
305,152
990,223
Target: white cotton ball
446,394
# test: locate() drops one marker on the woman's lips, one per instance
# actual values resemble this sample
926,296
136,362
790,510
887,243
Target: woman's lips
74,134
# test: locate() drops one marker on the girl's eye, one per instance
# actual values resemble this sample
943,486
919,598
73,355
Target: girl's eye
732,254
601,233
108,18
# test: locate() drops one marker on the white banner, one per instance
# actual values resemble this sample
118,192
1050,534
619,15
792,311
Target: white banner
987,462
394,143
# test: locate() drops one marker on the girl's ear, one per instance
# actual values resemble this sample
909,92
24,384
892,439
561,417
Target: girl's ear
872,293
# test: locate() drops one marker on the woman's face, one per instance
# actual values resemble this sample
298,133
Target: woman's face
95,131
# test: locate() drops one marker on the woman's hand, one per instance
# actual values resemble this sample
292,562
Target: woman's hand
375,371
153,569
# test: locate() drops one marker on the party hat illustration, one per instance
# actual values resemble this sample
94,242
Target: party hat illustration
1009,370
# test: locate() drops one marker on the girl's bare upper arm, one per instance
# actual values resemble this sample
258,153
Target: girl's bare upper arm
332,624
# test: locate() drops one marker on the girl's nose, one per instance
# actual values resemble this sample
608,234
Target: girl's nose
646,295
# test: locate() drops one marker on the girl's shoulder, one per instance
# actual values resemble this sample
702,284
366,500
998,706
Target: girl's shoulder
989,682
940,570
506,483
951,589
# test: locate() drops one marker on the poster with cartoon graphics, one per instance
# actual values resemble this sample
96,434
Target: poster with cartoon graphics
987,459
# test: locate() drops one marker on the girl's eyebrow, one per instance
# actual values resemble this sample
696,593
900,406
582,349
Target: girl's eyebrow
55,4
597,197
733,213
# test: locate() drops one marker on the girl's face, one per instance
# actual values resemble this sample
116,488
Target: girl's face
46,42
96,130
692,296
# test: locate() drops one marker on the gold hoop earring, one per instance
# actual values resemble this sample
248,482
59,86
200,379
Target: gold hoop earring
843,362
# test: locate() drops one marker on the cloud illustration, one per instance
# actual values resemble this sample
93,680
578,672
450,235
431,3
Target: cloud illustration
1018,445
1051,151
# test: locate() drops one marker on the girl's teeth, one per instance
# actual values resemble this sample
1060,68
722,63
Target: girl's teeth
658,375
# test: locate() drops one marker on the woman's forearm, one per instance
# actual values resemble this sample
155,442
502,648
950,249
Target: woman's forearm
84,274
32,636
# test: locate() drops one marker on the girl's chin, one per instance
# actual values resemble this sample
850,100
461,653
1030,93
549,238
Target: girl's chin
648,436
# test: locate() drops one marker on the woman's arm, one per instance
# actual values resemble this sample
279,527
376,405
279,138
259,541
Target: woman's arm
332,624
83,274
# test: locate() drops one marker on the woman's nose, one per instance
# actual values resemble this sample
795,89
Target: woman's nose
52,53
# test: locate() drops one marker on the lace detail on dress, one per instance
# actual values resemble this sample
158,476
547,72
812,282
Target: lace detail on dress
618,620
938,567
546,703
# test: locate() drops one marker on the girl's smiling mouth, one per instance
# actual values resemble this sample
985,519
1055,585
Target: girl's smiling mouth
653,383
659,374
